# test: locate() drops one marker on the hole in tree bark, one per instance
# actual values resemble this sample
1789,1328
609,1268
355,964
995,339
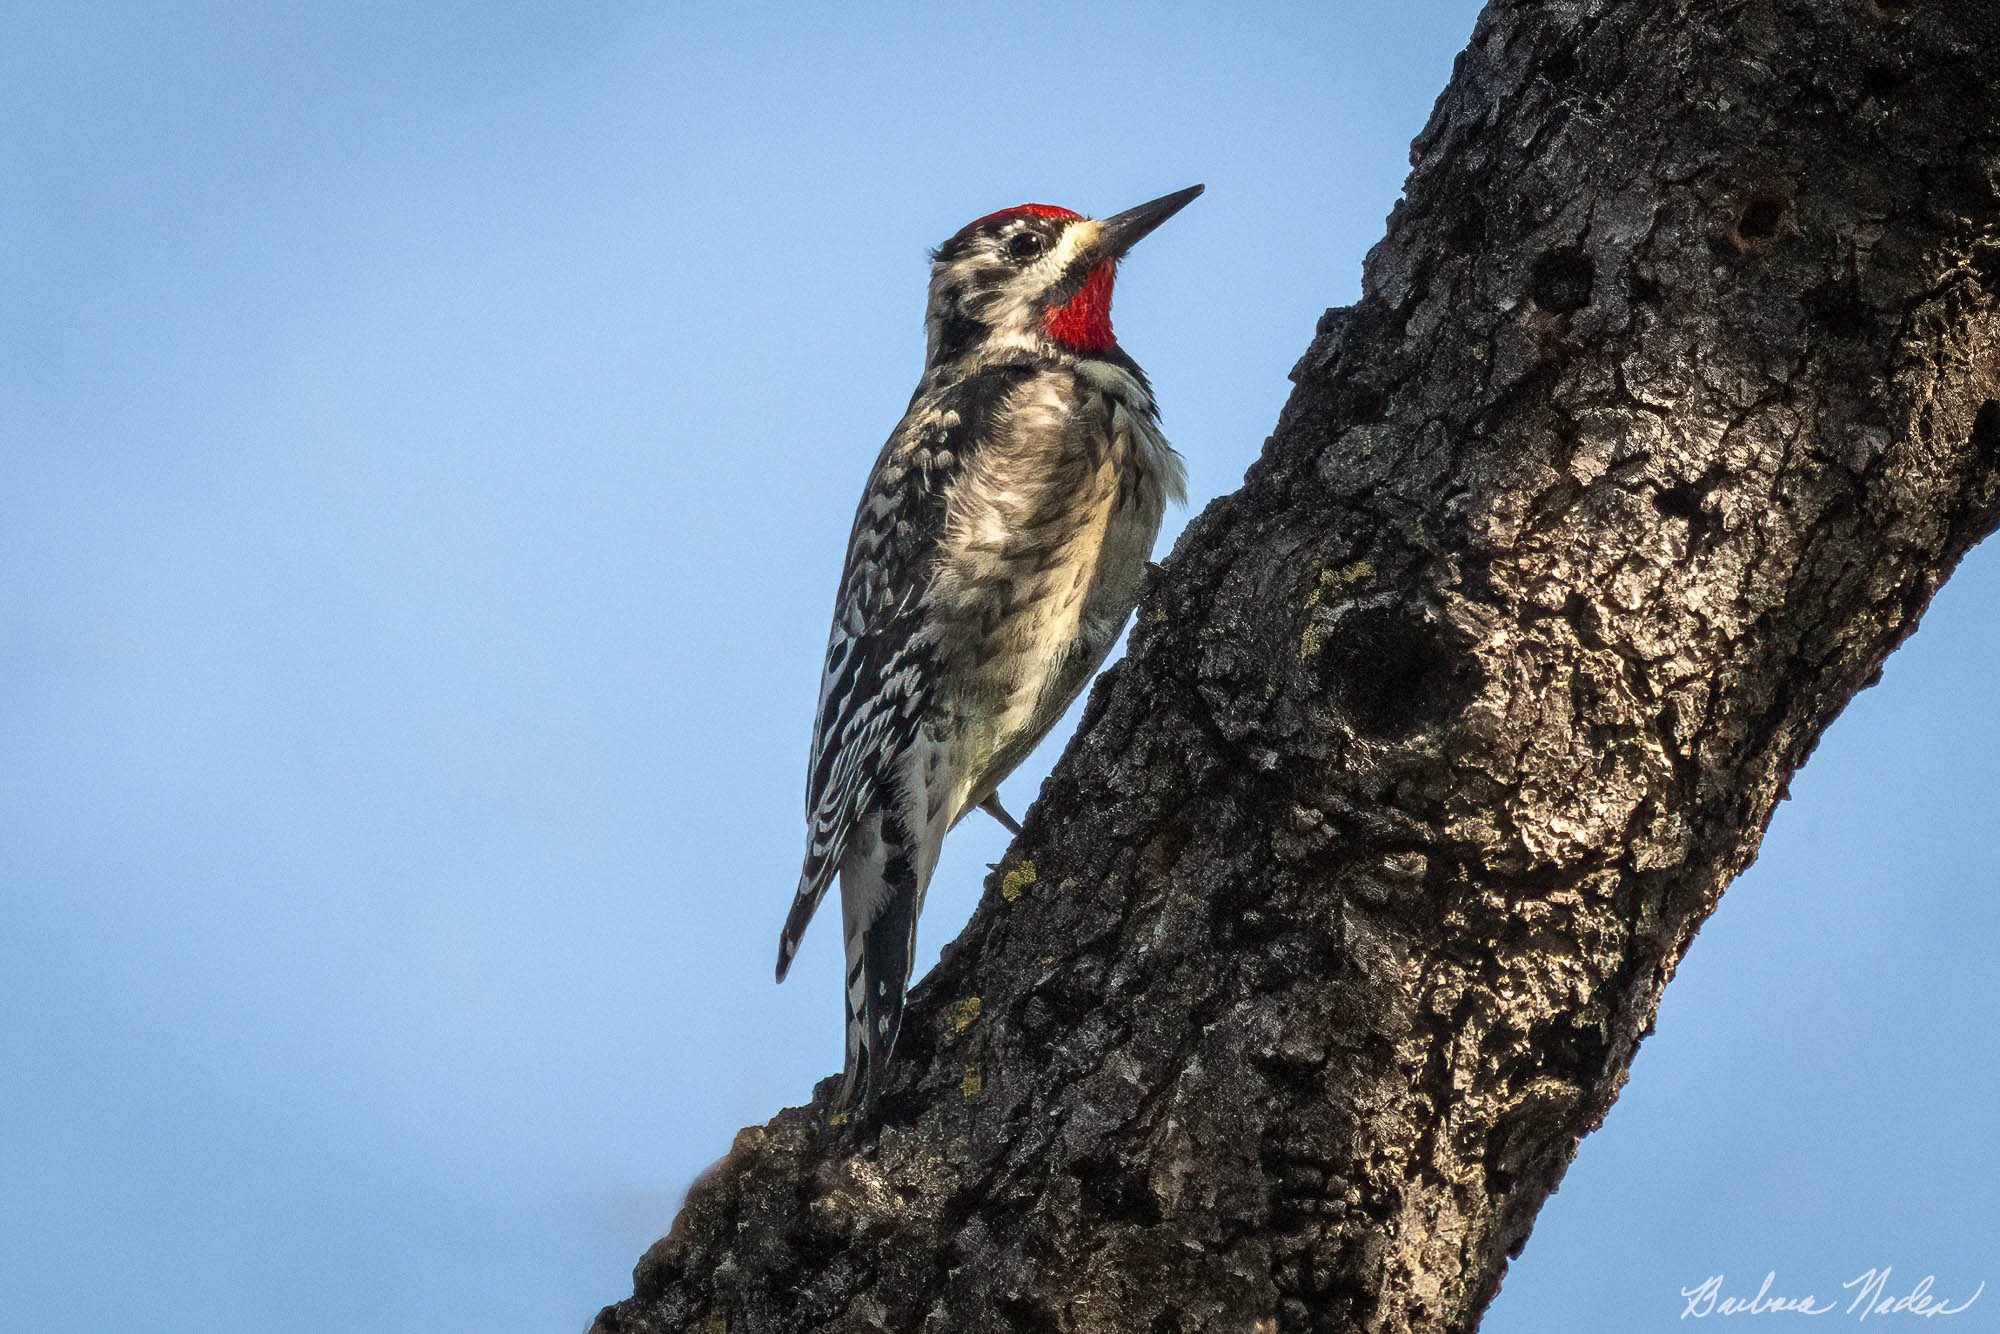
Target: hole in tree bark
1561,280
1392,670
1558,65
1760,219
1759,222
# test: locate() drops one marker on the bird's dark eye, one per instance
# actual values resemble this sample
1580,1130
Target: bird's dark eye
1024,246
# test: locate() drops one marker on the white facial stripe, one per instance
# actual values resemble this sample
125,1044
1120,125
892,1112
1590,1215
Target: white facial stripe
1010,303
1074,240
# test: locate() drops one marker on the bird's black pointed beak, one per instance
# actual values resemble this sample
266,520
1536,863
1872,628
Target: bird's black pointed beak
1121,231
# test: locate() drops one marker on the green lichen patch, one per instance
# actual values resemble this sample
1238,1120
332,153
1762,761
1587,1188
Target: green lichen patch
1344,577
960,1015
1016,881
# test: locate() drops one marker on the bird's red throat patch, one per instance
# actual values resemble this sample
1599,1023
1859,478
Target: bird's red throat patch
1085,319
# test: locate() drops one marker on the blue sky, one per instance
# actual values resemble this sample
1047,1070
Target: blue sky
427,436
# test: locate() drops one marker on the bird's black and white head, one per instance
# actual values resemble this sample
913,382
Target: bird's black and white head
1033,276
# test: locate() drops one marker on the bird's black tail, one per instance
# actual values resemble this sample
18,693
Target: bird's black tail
881,947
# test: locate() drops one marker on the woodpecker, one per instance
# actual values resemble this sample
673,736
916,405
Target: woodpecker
1000,545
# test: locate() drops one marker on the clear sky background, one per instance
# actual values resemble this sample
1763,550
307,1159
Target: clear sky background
427,438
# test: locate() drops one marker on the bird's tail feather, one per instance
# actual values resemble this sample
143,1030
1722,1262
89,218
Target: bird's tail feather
881,922
812,888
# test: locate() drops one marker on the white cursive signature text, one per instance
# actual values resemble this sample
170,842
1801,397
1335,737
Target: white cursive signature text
1872,1297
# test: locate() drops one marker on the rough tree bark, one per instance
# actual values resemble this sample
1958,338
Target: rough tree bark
1669,402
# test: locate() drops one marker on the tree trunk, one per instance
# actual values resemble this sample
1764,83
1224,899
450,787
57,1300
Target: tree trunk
1669,402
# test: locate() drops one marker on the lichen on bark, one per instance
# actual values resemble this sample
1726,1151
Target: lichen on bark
1672,396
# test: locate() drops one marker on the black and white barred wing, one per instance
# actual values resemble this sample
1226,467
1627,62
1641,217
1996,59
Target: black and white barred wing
875,691
876,682
872,697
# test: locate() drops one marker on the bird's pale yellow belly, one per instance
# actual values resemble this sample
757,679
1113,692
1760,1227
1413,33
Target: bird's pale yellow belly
1054,636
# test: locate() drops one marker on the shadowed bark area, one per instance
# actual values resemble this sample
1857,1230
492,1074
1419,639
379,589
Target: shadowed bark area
1669,402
